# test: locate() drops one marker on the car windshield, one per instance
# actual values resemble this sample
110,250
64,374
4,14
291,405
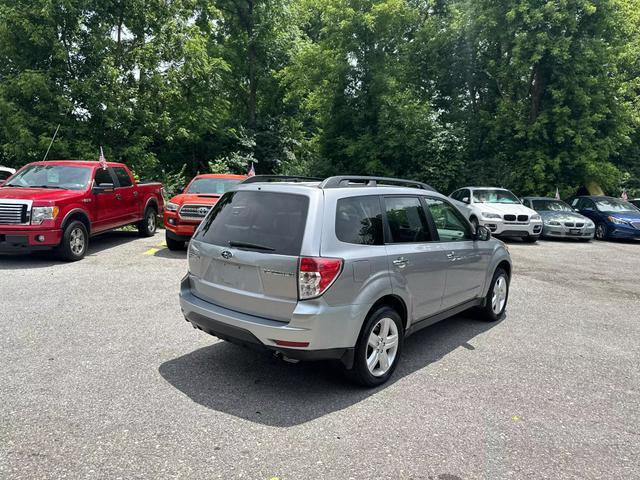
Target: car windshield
614,205
51,176
550,206
494,196
212,185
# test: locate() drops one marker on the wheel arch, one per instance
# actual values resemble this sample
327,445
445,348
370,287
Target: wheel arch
151,202
394,302
77,214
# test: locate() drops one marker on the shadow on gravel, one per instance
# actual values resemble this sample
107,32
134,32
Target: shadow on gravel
257,387
166,253
43,259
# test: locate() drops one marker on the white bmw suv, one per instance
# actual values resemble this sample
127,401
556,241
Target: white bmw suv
500,211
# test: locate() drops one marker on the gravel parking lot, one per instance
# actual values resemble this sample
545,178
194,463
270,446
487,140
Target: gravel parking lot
102,378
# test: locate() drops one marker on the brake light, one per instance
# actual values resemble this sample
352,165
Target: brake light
316,274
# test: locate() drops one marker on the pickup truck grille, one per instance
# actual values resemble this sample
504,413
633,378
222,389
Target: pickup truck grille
196,212
13,213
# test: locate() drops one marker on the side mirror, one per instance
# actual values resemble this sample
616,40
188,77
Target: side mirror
482,234
103,188
179,190
465,199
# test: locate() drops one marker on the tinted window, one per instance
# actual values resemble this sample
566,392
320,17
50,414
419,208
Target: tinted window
407,220
4,175
359,220
449,222
103,177
274,221
123,177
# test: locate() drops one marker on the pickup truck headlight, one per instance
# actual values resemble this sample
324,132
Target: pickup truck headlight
40,214
492,216
535,217
617,221
172,207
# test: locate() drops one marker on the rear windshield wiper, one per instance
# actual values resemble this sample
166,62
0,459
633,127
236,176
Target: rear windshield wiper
254,246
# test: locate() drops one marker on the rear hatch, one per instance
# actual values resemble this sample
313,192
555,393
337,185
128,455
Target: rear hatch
245,255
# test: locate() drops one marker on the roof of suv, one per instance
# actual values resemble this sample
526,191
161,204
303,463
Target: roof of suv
343,181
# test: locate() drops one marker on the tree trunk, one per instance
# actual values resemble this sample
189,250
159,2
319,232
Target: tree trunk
251,65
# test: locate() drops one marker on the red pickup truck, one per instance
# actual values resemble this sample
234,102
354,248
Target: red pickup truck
61,204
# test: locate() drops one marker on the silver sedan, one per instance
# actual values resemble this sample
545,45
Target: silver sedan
559,220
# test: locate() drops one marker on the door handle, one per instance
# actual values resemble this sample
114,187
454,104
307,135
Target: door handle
400,262
118,196
451,255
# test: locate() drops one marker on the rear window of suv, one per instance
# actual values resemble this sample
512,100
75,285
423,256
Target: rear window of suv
271,220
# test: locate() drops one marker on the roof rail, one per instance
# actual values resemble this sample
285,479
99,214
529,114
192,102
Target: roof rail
343,181
280,178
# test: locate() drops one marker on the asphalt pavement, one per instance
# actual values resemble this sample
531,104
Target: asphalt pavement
101,377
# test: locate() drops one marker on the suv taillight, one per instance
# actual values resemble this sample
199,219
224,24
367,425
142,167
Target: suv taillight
316,274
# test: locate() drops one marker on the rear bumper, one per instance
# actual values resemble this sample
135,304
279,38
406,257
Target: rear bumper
330,332
13,241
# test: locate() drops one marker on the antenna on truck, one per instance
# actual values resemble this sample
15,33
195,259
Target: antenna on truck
52,140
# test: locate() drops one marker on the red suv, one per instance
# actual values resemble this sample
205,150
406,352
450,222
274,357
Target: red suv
184,212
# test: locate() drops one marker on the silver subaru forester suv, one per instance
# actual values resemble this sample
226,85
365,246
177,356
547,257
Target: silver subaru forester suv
344,269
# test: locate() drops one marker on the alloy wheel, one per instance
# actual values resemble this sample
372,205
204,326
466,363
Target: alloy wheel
77,241
499,298
382,347
151,221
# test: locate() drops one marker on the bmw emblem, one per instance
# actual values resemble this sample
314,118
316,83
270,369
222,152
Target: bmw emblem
203,211
226,254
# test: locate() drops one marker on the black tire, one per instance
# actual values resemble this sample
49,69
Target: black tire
75,242
149,223
530,238
487,311
360,372
173,244
601,232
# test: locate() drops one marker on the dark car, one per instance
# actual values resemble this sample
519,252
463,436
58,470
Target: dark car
614,218
559,219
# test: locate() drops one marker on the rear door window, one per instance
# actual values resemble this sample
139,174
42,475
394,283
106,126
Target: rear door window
359,220
261,221
407,220
123,177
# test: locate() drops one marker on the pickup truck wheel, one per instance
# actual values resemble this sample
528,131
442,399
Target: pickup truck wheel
147,227
378,349
74,244
173,244
495,302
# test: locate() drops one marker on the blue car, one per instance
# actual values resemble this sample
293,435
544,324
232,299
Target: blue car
614,218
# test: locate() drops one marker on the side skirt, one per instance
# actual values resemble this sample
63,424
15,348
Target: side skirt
426,322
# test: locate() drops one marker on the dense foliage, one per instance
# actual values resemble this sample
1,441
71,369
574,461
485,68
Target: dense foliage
527,94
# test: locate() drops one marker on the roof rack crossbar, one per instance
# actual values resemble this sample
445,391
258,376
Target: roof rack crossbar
280,178
344,181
